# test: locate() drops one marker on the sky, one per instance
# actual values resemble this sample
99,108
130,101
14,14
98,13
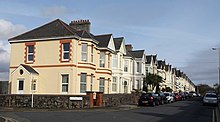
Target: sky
181,32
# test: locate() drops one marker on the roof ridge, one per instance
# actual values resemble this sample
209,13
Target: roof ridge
103,34
118,37
65,25
136,50
34,29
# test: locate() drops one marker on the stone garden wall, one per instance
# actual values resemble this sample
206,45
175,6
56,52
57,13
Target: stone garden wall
43,101
111,100
64,101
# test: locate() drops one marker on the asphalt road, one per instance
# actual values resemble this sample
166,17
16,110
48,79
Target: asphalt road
182,111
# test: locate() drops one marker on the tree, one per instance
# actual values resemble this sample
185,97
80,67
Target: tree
168,89
203,88
154,80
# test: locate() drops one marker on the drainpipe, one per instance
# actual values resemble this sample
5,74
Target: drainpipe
32,93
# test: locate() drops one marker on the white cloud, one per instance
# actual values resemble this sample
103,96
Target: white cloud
55,11
9,29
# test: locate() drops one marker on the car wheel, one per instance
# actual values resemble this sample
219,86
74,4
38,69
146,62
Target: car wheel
204,104
153,104
162,102
158,103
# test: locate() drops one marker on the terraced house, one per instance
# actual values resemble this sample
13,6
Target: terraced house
139,71
122,69
58,58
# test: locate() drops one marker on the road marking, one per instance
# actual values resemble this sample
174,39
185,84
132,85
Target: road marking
213,115
216,114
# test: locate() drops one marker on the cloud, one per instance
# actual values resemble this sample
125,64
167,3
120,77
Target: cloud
203,67
4,63
8,30
56,11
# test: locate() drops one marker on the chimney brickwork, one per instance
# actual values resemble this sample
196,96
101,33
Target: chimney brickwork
81,25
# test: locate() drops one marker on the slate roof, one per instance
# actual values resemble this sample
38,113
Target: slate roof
148,59
118,42
29,69
54,29
161,64
178,73
137,53
128,54
173,70
154,58
103,40
85,34
168,67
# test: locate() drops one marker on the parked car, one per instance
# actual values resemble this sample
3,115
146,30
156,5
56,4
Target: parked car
178,97
174,97
210,99
192,94
162,98
186,95
183,95
148,99
169,97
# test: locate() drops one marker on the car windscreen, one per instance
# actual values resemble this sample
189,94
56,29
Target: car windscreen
166,94
211,95
146,95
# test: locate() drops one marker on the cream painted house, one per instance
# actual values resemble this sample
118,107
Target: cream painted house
58,58
151,64
122,68
138,66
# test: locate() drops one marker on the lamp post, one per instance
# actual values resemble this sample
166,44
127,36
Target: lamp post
218,49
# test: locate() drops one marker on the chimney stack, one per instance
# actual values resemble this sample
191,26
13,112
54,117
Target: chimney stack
128,47
81,25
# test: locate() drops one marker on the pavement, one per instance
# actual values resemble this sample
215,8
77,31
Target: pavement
7,119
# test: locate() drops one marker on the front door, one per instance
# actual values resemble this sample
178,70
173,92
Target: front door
20,86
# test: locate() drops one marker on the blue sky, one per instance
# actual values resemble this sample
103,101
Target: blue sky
180,31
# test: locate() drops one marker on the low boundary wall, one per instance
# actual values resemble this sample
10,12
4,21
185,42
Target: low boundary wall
67,101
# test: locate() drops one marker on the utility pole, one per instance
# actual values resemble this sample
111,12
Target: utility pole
218,49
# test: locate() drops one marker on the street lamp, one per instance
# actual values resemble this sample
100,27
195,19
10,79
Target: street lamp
218,49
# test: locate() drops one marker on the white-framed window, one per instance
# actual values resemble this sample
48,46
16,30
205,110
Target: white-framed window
92,51
138,84
115,61
65,51
114,84
30,53
126,66
65,81
83,82
120,61
138,66
20,85
125,86
102,84
102,59
108,60
91,82
84,52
